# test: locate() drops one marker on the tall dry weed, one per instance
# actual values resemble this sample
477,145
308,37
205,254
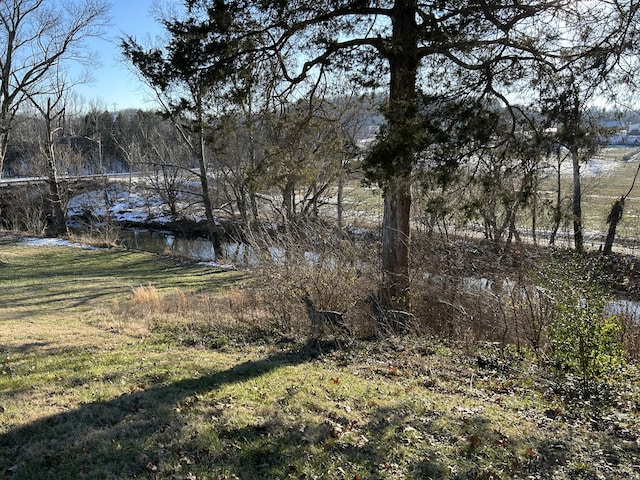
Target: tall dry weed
182,302
146,299
211,319
630,337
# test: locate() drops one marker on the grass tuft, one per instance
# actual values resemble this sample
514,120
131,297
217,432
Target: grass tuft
146,299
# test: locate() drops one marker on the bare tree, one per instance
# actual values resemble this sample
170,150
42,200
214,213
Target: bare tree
52,108
36,37
191,90
157,152
615,216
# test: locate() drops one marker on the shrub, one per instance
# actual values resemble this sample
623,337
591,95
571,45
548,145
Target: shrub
584,340
335,270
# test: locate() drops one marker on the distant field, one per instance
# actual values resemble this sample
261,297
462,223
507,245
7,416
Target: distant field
608,184
604,180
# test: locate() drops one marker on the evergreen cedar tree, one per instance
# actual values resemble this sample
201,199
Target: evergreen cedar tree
439,63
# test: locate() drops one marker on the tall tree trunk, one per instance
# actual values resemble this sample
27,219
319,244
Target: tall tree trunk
534,218
396,240
241,193
4,143
204,183
251,189
7,113
288,200
59,226
340,199
578,234
403,67
59,223
615,215
253,200
512,229
557,210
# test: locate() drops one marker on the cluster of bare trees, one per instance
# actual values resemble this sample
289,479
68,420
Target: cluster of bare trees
290,163
39,41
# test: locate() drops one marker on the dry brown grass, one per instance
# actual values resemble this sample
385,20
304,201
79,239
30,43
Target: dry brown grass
234,314
146,299
631,335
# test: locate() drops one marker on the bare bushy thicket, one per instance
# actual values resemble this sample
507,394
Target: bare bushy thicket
631,334
96,223
335,270
561,306
467,289
459,290
25,209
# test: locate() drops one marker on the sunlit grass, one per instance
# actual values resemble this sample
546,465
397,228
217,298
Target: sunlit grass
128,377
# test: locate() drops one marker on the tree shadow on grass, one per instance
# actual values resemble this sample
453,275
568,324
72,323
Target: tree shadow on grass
110,439
149,433
24,348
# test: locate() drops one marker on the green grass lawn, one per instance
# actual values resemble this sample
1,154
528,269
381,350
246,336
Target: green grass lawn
92,386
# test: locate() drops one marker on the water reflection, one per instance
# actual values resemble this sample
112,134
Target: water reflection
624,308
240,255
167,243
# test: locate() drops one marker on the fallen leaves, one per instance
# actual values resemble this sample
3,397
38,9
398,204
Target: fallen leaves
474,441
139,386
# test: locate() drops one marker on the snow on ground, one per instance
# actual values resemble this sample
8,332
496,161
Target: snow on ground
220,266
595,167
53,242
122,205
133,204
58,242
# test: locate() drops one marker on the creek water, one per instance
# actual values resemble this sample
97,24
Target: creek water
157,241
201,249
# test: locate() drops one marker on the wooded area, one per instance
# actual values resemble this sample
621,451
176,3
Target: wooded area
289,104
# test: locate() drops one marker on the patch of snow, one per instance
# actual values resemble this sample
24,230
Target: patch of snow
595,167
355,230
122,205
221,266
53,242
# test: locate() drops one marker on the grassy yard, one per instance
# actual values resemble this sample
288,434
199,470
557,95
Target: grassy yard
100,381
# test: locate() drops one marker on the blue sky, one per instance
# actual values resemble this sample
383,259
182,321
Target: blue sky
114,86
